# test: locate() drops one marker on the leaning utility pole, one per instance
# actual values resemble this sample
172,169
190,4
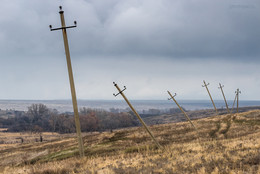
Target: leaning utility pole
206,85
238,92
234,102
138,116
72,86
221,87
172,97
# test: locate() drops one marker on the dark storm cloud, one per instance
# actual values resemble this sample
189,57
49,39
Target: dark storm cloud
149,45
160,28
200,29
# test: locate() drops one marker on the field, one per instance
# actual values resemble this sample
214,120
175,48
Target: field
223,144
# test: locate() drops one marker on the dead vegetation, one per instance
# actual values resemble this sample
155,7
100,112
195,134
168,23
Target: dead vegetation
226,144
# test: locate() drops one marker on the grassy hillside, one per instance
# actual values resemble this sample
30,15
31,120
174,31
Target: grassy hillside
196,114
225,144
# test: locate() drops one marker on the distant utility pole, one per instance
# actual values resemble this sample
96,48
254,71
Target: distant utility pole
238,92
234,102
138,116
206,86
221,87
72,86
172,97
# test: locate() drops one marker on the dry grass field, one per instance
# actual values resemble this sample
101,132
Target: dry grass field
225,144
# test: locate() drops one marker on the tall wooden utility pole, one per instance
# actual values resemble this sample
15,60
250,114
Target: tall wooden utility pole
72,86
138,116
221,87
206,86
238,92
172,97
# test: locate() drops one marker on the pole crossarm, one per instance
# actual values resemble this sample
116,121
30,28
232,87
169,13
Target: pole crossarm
71,80
221,87
238,91
63,27
138,116
206,86
187,117
53,29
119,91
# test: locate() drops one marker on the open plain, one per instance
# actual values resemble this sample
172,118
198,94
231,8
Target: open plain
224,144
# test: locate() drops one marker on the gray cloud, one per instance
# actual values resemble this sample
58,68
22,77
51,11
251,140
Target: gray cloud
171,29
149,45
162,28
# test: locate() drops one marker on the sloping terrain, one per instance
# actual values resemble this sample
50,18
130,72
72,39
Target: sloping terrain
223,144
195,114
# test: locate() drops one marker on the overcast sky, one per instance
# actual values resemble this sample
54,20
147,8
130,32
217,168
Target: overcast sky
150,46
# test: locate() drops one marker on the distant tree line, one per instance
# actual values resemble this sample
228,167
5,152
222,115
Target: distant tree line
151,112
40,118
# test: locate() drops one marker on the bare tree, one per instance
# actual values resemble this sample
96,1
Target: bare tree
38,115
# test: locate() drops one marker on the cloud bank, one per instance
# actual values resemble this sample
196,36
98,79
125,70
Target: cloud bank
149,45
